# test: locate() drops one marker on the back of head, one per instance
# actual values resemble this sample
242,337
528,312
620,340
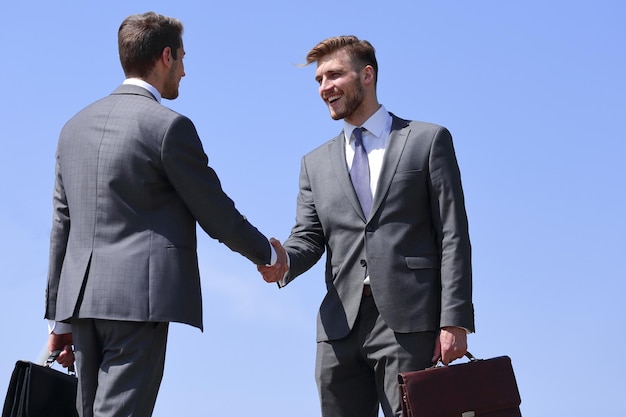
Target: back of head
141,39
361,52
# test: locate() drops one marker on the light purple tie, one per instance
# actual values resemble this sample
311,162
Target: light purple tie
360,172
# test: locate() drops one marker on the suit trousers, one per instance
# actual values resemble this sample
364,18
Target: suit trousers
120,366
357,374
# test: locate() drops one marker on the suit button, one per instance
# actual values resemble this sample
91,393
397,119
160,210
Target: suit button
369,229
363,263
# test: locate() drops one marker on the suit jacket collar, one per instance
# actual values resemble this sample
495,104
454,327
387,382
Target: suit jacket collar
129,89
395,146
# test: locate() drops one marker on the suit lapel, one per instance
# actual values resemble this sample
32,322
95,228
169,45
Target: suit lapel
337,156
395,147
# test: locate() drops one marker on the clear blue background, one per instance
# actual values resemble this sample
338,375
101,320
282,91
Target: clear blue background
533,92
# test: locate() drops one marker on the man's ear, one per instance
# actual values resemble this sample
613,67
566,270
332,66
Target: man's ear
166,56
367,75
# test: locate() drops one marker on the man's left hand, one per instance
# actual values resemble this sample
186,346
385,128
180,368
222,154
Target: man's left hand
62,342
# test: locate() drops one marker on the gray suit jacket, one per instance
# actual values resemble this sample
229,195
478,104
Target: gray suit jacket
414,245
132,180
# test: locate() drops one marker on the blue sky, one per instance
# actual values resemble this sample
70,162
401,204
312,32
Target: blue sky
533,93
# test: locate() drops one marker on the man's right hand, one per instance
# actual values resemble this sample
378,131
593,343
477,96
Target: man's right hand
274,273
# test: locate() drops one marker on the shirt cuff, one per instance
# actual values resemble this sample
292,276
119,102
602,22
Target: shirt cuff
59,328
467,331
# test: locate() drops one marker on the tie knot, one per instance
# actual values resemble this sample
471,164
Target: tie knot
358,135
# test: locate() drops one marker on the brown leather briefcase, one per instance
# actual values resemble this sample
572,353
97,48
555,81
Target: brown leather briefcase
480,387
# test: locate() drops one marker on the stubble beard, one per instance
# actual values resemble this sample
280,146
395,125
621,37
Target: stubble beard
170,91
352,102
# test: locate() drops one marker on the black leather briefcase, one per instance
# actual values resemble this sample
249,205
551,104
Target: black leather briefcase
40,391
480,387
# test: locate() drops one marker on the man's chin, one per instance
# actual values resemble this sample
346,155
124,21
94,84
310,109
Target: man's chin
171,96
335,116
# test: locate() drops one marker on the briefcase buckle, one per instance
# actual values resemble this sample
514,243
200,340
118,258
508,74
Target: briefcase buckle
468,414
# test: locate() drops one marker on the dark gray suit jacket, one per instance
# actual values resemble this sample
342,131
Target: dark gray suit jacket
132,180
414,245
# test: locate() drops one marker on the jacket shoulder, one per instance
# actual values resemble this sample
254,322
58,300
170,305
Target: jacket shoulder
323,148
400,123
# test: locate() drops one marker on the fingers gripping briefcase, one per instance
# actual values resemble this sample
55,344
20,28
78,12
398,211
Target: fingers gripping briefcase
40,391
480,387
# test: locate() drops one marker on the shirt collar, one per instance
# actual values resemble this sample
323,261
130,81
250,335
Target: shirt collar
141,83
374,125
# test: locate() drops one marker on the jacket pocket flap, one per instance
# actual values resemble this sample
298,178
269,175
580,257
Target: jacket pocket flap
422,262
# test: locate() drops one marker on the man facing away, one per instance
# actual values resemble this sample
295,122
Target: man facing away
132,180
384,200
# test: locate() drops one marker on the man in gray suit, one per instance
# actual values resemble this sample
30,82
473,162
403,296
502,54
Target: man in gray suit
132,180
387,206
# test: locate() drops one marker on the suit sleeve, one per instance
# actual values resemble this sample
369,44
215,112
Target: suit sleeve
58,241
449,216
186,165
306,244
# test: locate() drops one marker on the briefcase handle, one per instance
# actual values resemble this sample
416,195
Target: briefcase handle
53,356
468,355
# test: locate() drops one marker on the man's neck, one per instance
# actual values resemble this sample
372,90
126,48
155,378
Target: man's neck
359,116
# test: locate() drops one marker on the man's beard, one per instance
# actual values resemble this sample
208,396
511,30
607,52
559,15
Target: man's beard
351,102
170,90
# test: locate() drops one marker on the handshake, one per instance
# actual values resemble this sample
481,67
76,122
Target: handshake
275,272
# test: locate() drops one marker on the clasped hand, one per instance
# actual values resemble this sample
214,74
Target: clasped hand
275,272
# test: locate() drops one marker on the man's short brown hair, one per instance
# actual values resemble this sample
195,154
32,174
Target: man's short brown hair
142,38
361,52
